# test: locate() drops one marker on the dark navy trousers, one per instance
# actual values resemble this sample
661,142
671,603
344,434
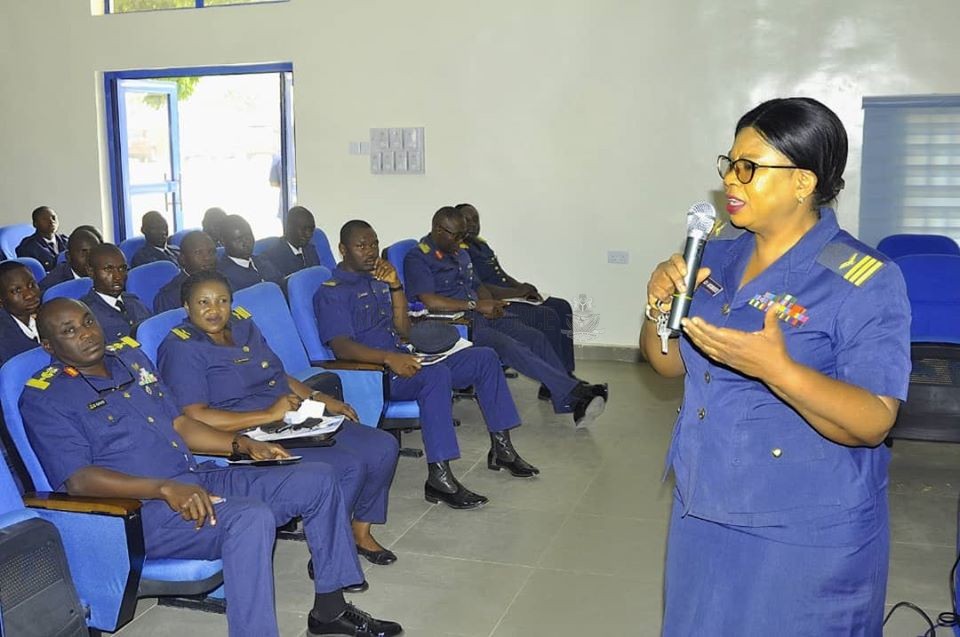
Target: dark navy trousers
432,388
555,319
257,501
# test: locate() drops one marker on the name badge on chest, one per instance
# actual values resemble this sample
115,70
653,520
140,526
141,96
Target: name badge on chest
711,286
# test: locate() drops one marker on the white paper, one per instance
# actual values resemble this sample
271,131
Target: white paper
308,409
325,426
433,359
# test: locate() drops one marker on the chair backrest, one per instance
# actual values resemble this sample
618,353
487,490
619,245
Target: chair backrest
901,245
11,236
395,254
130,247
269,308
262,245
72,289
301,287
35,267
13,375
178,236
324,253
147,279
934,306
62,257
152,331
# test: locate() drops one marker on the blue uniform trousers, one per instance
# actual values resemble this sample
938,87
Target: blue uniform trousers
529,352
364,459
825,577
258,499
555,319
432,388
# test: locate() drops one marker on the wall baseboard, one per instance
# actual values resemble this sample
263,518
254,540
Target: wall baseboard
619,353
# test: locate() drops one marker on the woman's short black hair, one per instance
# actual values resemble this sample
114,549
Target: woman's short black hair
809,134
204,276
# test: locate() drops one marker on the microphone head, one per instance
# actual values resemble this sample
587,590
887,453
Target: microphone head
700,219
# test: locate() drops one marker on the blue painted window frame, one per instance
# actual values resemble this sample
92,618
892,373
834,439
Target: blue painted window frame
111,79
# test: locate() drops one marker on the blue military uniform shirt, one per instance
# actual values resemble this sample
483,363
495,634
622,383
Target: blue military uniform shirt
431,271
285,262
37,248
150,254
123,422
60,273
358,306
485,263
243,377
13,341
241,278
116,324
168,297
739,453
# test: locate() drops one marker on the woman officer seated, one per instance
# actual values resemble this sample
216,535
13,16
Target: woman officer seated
223,373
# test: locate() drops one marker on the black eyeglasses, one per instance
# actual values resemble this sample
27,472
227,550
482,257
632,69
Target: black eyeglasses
121,386
457,236
742,168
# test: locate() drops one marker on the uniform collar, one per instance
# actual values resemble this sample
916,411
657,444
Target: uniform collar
296,251
802,255
347,276
29,330
109,300
243,263
119,374
428,241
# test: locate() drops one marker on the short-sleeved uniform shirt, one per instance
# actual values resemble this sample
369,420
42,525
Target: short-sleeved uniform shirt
432,271
740,454
123,422
357,306
243,377
485,263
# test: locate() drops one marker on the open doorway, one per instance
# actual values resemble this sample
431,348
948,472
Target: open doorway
184,140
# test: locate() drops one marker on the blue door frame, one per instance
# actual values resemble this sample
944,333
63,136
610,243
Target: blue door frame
116,83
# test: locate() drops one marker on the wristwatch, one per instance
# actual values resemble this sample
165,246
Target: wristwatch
396,289
471,304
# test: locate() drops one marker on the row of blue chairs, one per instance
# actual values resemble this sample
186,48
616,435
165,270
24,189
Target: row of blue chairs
901,245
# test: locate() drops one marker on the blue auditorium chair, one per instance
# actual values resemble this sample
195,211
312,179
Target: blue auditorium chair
178,236
324,253
73,289
147,279
35,267
395,253
11,236
901,245
151,332
267,305
129,247
932,409
106,555
262,245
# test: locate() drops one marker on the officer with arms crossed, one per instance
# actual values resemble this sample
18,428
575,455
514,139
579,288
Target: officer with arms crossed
362,314
104,425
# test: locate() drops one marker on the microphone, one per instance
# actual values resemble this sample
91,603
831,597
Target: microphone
700,219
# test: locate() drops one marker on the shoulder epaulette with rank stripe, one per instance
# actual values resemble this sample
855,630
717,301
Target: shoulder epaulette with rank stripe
42,380
329,283
181,333
241,313
724,231
126,341
480,240
424,248
464,245
855,266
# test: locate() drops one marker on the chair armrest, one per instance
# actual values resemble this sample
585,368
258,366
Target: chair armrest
349,365
81,504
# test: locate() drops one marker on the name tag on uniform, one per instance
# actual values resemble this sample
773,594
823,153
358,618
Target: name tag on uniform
97,404
711,286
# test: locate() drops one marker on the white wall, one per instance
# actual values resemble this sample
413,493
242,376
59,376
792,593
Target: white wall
585,125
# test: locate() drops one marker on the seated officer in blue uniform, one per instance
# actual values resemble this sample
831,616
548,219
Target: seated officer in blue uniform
795,358
79,244
296,251
212,220
362,313
439,272
44,245
104,425
117,311
239,265
19,300
197,253
553,316
155,248
223,373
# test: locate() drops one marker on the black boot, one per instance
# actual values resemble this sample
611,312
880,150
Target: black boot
502,455
443,486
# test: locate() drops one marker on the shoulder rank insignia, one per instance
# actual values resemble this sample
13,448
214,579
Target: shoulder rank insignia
464,245
330,283
724,230
241,313
480,239
42,380
424,248
181,333
126,341
855,266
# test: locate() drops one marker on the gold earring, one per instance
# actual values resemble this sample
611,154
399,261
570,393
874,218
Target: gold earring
800,199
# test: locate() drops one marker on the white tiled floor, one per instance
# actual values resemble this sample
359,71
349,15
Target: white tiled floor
579,550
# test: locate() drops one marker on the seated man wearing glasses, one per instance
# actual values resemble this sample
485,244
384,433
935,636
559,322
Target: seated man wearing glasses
439,272
117,310
104,425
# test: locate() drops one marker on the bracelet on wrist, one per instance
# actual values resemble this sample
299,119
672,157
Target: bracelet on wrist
396,289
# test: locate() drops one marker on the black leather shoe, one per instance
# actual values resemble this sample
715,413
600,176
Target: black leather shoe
502,455
442,486
362,587
380,558
590,403
544,393
353,622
